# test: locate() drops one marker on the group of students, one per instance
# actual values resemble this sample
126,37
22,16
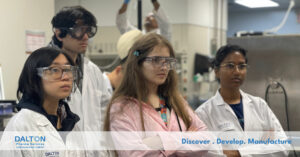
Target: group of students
61,90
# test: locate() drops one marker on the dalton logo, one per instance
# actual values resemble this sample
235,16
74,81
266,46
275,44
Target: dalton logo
30,142
52,154
30,139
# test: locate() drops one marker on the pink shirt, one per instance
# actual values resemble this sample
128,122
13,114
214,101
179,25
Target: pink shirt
125,116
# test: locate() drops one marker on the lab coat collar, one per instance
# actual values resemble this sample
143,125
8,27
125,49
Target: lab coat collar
220,101
31,104
68,123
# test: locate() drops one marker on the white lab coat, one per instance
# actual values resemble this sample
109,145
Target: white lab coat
108,83
164,25
28,120
91,104
218,116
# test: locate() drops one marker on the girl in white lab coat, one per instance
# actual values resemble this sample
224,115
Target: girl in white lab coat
233,110
46,80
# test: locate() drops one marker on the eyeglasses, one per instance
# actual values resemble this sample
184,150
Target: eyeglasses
159,61
56,73
231,66
79,31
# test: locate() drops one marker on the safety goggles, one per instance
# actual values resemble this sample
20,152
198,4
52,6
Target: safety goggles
231,66
159,61
78,32
56,73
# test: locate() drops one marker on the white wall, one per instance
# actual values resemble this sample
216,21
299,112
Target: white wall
18,16
197,12
200,12
106,10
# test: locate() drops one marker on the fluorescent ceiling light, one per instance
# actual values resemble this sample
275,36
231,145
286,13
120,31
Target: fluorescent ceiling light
257,3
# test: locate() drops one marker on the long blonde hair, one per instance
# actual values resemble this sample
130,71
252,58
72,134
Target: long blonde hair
133,84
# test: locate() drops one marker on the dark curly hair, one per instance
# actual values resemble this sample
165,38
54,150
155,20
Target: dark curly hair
67,18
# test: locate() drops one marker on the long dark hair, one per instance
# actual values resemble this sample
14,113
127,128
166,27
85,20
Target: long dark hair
30,84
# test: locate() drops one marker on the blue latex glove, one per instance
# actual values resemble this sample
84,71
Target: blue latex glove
126,1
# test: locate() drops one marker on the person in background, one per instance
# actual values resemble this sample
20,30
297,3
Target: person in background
148,99
45,83
73,26
231,109
155,22
125,42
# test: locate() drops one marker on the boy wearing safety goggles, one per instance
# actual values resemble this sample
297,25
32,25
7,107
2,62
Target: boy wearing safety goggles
72,27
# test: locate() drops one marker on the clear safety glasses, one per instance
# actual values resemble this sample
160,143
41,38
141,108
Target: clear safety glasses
79,31
159,61
231,66
56,73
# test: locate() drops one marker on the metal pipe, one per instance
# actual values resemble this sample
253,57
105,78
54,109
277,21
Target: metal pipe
139,13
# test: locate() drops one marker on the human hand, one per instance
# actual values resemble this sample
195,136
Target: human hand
268,134
192,128
153,142
232,153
